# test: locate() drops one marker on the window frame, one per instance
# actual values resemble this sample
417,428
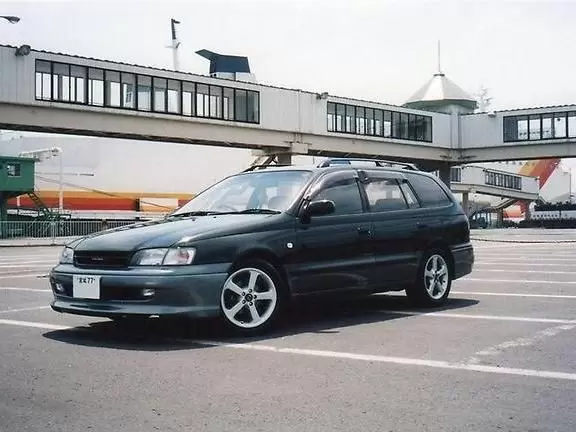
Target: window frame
252,104
438,183
398,179
323,182
510,126
17,169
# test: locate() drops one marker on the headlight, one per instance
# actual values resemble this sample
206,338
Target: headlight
67,256
168,257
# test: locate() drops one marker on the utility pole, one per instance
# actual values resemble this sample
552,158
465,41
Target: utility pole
439,59
175,44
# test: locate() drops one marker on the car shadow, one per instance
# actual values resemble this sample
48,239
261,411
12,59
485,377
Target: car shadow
329,316
319,315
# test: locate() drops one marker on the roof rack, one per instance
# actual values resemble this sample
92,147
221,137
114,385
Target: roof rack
378,162
264,166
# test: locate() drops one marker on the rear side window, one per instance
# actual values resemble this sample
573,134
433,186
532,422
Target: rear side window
384,195
409,195
345,194
429,191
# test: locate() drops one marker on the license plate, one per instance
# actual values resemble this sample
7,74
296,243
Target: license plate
87,287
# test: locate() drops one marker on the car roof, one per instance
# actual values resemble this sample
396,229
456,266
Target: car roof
342,164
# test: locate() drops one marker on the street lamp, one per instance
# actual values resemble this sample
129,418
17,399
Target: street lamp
11,19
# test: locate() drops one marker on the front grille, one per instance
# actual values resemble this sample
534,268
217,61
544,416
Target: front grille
101,260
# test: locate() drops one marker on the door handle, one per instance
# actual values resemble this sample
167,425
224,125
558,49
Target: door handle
422,226
363,231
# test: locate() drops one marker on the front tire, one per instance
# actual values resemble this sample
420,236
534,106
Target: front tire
434,280
252,297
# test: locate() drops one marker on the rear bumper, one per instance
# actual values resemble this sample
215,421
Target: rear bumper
463,260
193,292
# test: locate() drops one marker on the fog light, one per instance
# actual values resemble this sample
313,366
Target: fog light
59,288
147,292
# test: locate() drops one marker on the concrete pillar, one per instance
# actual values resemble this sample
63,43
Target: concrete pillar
444,173
3,214
465,203
527,214
500,215
284,159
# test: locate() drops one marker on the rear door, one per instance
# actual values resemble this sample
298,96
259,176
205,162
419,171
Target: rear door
438,209
395,213
443,220
334,252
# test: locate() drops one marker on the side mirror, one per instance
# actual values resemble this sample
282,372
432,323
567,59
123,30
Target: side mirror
320,208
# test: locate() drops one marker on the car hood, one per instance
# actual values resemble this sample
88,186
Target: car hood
166,232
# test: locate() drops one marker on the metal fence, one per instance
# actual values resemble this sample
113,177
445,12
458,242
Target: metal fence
55,229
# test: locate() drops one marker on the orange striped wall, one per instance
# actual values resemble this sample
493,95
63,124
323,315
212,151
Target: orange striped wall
98,201
542,168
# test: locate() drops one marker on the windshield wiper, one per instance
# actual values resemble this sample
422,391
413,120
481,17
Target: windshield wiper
256,211
196,213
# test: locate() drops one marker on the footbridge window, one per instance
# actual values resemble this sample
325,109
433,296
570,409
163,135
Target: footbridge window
358,120
544,126
502,180
76,84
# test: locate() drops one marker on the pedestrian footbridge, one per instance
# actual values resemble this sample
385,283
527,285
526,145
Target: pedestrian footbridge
477,179
52,92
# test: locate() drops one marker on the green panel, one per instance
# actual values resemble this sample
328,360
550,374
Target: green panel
16,174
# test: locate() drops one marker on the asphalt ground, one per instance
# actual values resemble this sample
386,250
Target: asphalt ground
501,356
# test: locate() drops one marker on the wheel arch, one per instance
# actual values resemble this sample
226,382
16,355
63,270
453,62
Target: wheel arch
442,245
265,255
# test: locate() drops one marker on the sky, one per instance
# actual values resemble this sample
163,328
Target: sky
381,50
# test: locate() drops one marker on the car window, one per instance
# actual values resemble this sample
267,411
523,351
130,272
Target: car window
409,195
384,195
345,194
428,190
274,190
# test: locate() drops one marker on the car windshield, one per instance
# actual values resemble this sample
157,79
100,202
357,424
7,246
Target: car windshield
266,191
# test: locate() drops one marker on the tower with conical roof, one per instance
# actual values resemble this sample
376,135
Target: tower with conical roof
440,94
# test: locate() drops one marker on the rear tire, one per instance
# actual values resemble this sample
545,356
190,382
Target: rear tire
434,280
252,298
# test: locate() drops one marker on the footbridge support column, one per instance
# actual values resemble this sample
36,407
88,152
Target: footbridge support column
466,203
444,173
267,157
442,168
284,159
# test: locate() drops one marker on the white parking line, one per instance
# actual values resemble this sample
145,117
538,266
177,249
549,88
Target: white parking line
521,264
22,276
13,258
24,309
529,271
44,326
25,289
519,342
521,281
347,356
397,360
32,265
480,317
479,293
524,258
18,262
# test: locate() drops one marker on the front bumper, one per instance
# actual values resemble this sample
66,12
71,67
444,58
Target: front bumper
463,260
192,291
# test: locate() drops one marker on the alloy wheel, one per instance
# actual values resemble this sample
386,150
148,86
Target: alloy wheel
248,298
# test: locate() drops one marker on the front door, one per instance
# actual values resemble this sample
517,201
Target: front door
334,251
